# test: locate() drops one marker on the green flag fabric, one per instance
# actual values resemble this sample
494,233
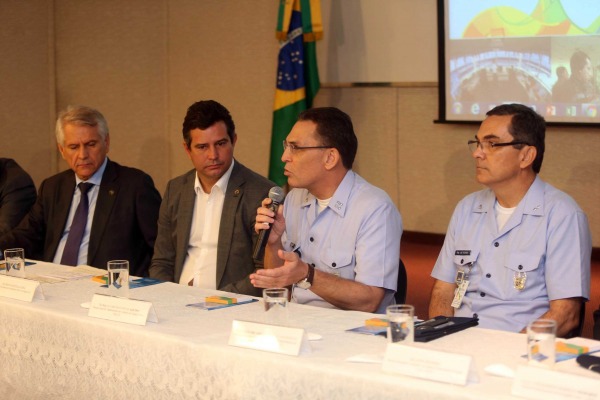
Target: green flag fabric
298,27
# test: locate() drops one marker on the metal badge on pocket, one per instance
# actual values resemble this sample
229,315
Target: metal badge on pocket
519,279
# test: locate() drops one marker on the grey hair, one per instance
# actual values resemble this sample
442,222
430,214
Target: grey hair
80,115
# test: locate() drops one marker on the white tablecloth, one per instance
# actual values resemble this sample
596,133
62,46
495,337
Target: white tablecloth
51,349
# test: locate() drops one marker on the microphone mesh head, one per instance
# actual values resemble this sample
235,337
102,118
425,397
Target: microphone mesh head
276,194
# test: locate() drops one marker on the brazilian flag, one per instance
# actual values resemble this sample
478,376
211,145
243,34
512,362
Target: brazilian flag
298,27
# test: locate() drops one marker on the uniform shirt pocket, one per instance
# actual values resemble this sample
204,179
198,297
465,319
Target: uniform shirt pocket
525,273
338,262
463,260
522,262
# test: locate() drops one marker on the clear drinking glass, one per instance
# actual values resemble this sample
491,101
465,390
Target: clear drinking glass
118,278
541,335
401,325
276,306
15,262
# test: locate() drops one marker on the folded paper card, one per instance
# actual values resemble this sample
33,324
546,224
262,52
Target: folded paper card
20,288
120,309
542,384
425,363
272,338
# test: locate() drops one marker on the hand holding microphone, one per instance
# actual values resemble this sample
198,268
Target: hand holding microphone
276,195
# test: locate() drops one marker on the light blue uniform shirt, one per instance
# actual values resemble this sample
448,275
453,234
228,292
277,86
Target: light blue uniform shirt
547,238
357,237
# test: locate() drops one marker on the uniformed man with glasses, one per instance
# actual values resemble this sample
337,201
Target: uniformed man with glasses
336,239
520,249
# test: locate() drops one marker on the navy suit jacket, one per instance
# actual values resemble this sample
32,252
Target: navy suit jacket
245,192
123,228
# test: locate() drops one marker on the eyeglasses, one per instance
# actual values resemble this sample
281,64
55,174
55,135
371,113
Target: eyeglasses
292,147
487,146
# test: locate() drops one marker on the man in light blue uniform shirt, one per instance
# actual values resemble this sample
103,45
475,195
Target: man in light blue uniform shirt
521,249
336,239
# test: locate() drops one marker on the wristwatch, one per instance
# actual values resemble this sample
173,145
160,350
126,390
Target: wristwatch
306,283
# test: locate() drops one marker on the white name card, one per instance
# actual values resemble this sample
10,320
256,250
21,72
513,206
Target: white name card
546,384
272,338
427,364
20,288
119,309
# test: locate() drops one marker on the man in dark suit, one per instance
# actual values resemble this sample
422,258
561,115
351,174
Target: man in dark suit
17,194
206,223
119,221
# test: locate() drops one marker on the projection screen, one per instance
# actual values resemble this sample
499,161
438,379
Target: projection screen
542,53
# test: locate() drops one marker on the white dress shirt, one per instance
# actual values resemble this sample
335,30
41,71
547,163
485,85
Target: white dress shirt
200,264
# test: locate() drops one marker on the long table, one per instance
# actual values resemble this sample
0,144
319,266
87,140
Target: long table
51,349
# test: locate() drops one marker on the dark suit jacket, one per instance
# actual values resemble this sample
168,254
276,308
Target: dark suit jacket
245,191
17,194
123,227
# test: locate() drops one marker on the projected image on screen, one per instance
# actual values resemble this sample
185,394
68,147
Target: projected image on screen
543,53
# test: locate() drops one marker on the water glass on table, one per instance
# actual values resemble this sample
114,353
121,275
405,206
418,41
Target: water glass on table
118,278
401,326
276,306
14,262
541,347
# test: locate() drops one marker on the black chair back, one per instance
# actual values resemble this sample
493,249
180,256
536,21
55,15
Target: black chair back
400,295
597,324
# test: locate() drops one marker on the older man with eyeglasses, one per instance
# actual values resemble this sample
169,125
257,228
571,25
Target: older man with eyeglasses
520,249
336,239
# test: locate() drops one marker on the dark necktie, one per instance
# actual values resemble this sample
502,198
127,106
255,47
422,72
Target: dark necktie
71,250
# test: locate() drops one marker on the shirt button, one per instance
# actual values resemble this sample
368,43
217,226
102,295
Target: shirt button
520,267
482,294
333,265
496,244
462,260
488,275
312,239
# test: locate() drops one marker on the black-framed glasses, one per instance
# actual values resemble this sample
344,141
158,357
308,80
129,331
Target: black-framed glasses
292,147
487,145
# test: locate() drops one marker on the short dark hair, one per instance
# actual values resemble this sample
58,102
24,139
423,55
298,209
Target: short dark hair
578,61
204,114
335,129
562,70
525,126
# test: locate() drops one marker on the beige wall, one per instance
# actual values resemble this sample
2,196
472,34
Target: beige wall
143,62
27,85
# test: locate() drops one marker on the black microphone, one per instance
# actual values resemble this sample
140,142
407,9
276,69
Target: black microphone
276,195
